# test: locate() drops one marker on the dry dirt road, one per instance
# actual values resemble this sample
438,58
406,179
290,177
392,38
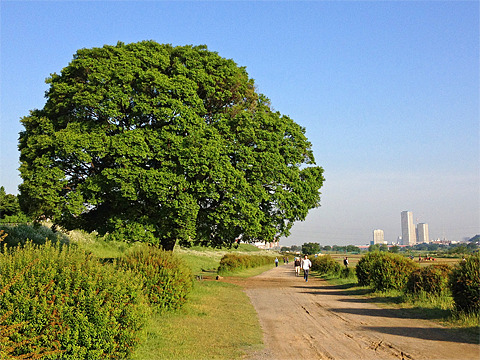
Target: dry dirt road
314,320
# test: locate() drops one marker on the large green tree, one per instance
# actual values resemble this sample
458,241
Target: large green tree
165,144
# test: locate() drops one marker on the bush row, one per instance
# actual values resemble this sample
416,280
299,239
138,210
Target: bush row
60,302
236,262
383,271
325,264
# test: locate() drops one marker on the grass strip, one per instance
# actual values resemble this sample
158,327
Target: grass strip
218,322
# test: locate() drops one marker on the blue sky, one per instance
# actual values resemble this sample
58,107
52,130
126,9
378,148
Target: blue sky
388,92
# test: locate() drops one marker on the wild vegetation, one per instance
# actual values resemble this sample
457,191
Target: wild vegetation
437,290
84,297
64,301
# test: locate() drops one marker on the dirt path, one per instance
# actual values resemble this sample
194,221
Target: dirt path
314,320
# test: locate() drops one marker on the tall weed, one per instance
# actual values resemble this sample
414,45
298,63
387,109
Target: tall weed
167,280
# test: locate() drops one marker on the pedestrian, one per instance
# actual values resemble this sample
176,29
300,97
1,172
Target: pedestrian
306,265
345,262
297,266
276,262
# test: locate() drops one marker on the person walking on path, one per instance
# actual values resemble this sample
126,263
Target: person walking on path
345,262
306,265
297,266
276,262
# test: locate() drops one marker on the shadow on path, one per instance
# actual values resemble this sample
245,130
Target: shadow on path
425,333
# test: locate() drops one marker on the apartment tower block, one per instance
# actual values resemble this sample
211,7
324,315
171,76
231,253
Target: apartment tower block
422,233
408,229
378,237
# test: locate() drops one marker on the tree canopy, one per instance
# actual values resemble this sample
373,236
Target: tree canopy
8,204
310,248
162,144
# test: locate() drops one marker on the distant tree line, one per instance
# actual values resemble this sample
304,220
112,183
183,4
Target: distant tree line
10,208
314,248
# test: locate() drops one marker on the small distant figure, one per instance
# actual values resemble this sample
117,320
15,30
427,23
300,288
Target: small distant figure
297,264
287,260
276,262
284,260
345,262
463,259
419,258
306,265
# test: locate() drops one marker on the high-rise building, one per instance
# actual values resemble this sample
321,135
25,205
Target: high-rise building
378,237
422,233
408,228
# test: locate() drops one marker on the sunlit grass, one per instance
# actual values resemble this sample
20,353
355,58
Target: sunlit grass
218,322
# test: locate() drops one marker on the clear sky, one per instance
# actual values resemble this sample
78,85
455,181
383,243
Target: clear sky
388,92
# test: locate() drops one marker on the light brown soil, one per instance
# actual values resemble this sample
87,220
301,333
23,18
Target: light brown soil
315,320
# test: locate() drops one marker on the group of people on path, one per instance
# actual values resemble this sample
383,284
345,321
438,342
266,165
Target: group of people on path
304,264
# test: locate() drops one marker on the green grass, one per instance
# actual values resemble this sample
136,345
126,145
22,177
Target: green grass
218,322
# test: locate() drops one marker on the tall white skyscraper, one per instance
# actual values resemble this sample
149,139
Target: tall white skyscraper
408,228
422,233
378,236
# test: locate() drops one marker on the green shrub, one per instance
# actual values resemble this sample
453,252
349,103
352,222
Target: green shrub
167,279
37,234
325,264
236,262
347,273
61,300
465,284
383,271
432,279
363,269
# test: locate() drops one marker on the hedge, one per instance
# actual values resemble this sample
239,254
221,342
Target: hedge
64,303
236,262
